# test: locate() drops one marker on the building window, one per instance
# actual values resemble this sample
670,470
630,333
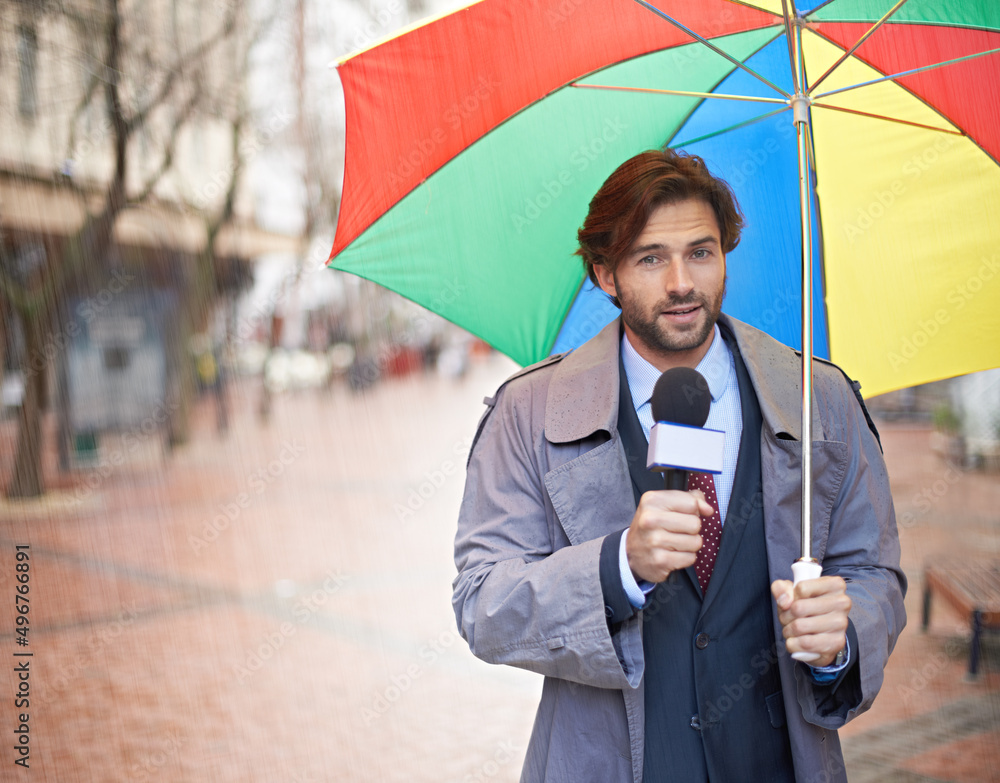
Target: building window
27,57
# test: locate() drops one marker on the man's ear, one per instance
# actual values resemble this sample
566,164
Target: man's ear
606,280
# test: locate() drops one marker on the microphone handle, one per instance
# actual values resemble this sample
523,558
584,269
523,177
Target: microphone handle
675,479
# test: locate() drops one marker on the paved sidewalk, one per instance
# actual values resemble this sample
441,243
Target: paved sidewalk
275,606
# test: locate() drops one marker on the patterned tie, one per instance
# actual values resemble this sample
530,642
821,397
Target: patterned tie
711,529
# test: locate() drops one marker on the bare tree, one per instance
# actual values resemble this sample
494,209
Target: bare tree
152,90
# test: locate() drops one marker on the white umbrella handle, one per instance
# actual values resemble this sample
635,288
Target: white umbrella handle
803,570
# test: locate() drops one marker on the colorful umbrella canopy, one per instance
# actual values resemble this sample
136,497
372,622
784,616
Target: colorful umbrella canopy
475,142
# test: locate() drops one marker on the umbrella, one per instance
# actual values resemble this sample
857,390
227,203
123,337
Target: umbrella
473,149
475,141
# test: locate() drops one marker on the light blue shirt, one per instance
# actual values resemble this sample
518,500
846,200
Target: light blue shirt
725,413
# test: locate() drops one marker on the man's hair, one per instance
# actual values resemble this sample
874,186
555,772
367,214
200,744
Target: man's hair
620,209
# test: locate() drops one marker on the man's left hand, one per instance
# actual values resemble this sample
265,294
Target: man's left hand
813,616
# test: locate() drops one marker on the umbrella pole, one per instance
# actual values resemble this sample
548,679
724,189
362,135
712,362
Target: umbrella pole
806,567
800,110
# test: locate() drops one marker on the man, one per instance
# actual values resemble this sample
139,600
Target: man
664,621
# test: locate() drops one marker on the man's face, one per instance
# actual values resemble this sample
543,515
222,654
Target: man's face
671,284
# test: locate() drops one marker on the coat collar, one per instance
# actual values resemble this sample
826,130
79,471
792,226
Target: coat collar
776,373
583,392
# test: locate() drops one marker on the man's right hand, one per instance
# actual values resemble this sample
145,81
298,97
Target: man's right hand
665,533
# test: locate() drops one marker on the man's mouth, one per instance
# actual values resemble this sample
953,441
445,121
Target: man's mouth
685,310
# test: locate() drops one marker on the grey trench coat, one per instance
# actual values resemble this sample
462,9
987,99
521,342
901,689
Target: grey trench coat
548,480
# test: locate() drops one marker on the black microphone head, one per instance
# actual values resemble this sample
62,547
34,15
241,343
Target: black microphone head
681,396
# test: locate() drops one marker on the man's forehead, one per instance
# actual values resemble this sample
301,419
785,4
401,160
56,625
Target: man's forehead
690,219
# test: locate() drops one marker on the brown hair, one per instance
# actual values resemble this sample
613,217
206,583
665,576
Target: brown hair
620,209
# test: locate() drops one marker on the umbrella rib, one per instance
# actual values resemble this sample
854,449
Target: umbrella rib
860,41
713,47
788,37
737,126
910,72
889,119
683,93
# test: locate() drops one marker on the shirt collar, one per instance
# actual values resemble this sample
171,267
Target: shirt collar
642,376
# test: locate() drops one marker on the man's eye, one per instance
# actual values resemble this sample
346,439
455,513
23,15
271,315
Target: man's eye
648,260
700,253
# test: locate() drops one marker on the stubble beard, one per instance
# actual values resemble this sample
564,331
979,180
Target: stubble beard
648,328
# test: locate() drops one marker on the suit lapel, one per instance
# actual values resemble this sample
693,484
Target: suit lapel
744,498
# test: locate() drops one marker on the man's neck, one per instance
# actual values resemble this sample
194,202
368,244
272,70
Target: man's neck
667,360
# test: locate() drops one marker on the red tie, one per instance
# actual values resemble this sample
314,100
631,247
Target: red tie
711,529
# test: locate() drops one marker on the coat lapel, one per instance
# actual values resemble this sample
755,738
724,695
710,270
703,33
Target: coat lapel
770,365
592,493
744,497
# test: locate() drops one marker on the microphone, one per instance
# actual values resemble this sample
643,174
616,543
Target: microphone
678,442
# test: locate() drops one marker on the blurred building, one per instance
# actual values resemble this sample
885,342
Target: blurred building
180,67
56,154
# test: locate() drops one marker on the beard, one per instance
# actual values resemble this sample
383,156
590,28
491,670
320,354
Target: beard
662,338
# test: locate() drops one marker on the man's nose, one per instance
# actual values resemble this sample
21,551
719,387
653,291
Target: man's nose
679,279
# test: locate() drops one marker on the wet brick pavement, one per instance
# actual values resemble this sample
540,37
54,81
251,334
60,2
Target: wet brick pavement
275,606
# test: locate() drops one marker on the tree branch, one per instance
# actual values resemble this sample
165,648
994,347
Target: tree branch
184,60
80,107
116,189
170,148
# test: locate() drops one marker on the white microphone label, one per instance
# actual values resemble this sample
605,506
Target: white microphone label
685,448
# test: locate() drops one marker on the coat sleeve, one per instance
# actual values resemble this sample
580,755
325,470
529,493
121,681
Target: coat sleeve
862,547
523,595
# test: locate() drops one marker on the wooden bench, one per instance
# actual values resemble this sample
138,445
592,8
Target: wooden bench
972,587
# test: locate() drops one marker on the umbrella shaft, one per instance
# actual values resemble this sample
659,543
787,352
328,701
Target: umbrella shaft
800,103
802,128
